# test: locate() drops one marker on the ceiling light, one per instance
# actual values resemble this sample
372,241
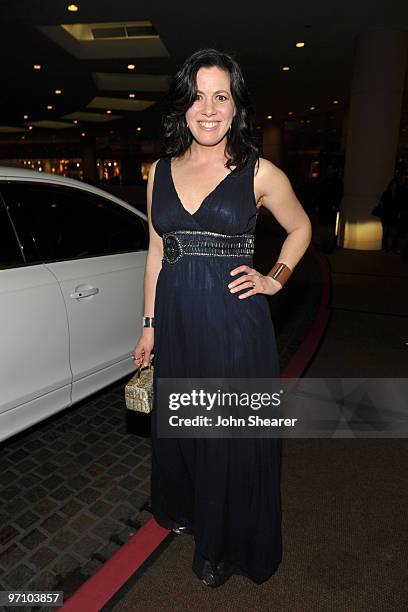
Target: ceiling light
83,134
290,113
75,121
108,112
335,101
73,8
30,127
285,68
300,44
49,107
132,95
25,117
269,117
37,66
58,92
131,66
138,129
312,108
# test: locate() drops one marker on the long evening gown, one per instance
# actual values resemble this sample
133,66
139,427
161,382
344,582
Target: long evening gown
225,491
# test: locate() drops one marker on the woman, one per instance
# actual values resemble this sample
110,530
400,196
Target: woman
210,313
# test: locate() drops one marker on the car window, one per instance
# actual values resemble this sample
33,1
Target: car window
56,223
10,252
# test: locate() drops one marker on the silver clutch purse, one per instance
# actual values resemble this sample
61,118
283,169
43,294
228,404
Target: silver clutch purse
139,390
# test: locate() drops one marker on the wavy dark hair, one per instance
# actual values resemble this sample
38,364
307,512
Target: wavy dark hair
176,138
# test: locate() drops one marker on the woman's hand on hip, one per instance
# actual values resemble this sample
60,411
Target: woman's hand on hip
253,281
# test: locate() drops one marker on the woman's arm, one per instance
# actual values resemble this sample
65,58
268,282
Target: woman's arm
278,196
154,253
144,346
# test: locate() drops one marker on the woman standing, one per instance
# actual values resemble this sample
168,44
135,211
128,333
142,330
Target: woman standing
211,316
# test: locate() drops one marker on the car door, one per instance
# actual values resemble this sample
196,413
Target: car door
35,375
96,250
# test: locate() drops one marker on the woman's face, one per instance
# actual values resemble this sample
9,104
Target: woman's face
210,115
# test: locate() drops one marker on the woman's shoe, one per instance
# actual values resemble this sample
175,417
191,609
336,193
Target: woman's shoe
209,580
214,578
181,529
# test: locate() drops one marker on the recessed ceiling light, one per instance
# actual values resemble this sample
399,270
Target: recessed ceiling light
73,8
132,95
37,66
269,117
108,112
58,92
83,134
335,101
49,107
285,68
75,121
300,44
138,129
312,108
30,127
131,66
25,116
290,113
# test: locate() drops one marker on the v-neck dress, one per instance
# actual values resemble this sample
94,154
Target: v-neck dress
225,491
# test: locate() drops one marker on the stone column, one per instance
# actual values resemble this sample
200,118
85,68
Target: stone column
372,133
272,144
88,145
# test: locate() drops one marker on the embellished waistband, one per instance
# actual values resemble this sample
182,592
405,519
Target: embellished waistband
199,242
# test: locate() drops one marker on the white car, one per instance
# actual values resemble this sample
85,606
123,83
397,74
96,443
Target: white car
72,260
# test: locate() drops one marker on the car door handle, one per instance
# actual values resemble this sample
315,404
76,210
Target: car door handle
84,293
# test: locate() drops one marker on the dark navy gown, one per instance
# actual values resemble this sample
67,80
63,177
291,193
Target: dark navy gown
226,491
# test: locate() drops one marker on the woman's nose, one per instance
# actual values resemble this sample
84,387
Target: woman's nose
208,108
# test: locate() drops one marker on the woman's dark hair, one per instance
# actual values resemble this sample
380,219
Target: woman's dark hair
242,144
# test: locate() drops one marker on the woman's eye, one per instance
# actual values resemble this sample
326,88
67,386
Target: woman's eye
224,97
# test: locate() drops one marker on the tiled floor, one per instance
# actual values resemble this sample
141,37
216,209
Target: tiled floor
72,489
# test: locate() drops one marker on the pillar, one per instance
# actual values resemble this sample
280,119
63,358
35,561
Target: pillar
372,133
88,143
272,144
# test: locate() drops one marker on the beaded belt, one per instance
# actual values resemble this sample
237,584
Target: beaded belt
197,242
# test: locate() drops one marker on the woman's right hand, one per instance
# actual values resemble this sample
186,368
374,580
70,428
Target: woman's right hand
144,346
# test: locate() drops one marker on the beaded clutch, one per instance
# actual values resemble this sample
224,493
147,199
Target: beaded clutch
139,390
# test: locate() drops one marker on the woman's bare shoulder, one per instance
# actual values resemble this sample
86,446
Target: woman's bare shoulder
266,168
267,176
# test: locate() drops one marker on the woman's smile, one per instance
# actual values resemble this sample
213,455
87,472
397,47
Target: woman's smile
208,126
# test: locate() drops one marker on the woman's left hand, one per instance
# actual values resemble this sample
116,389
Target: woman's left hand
263,284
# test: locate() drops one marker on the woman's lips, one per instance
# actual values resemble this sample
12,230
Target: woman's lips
208,126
